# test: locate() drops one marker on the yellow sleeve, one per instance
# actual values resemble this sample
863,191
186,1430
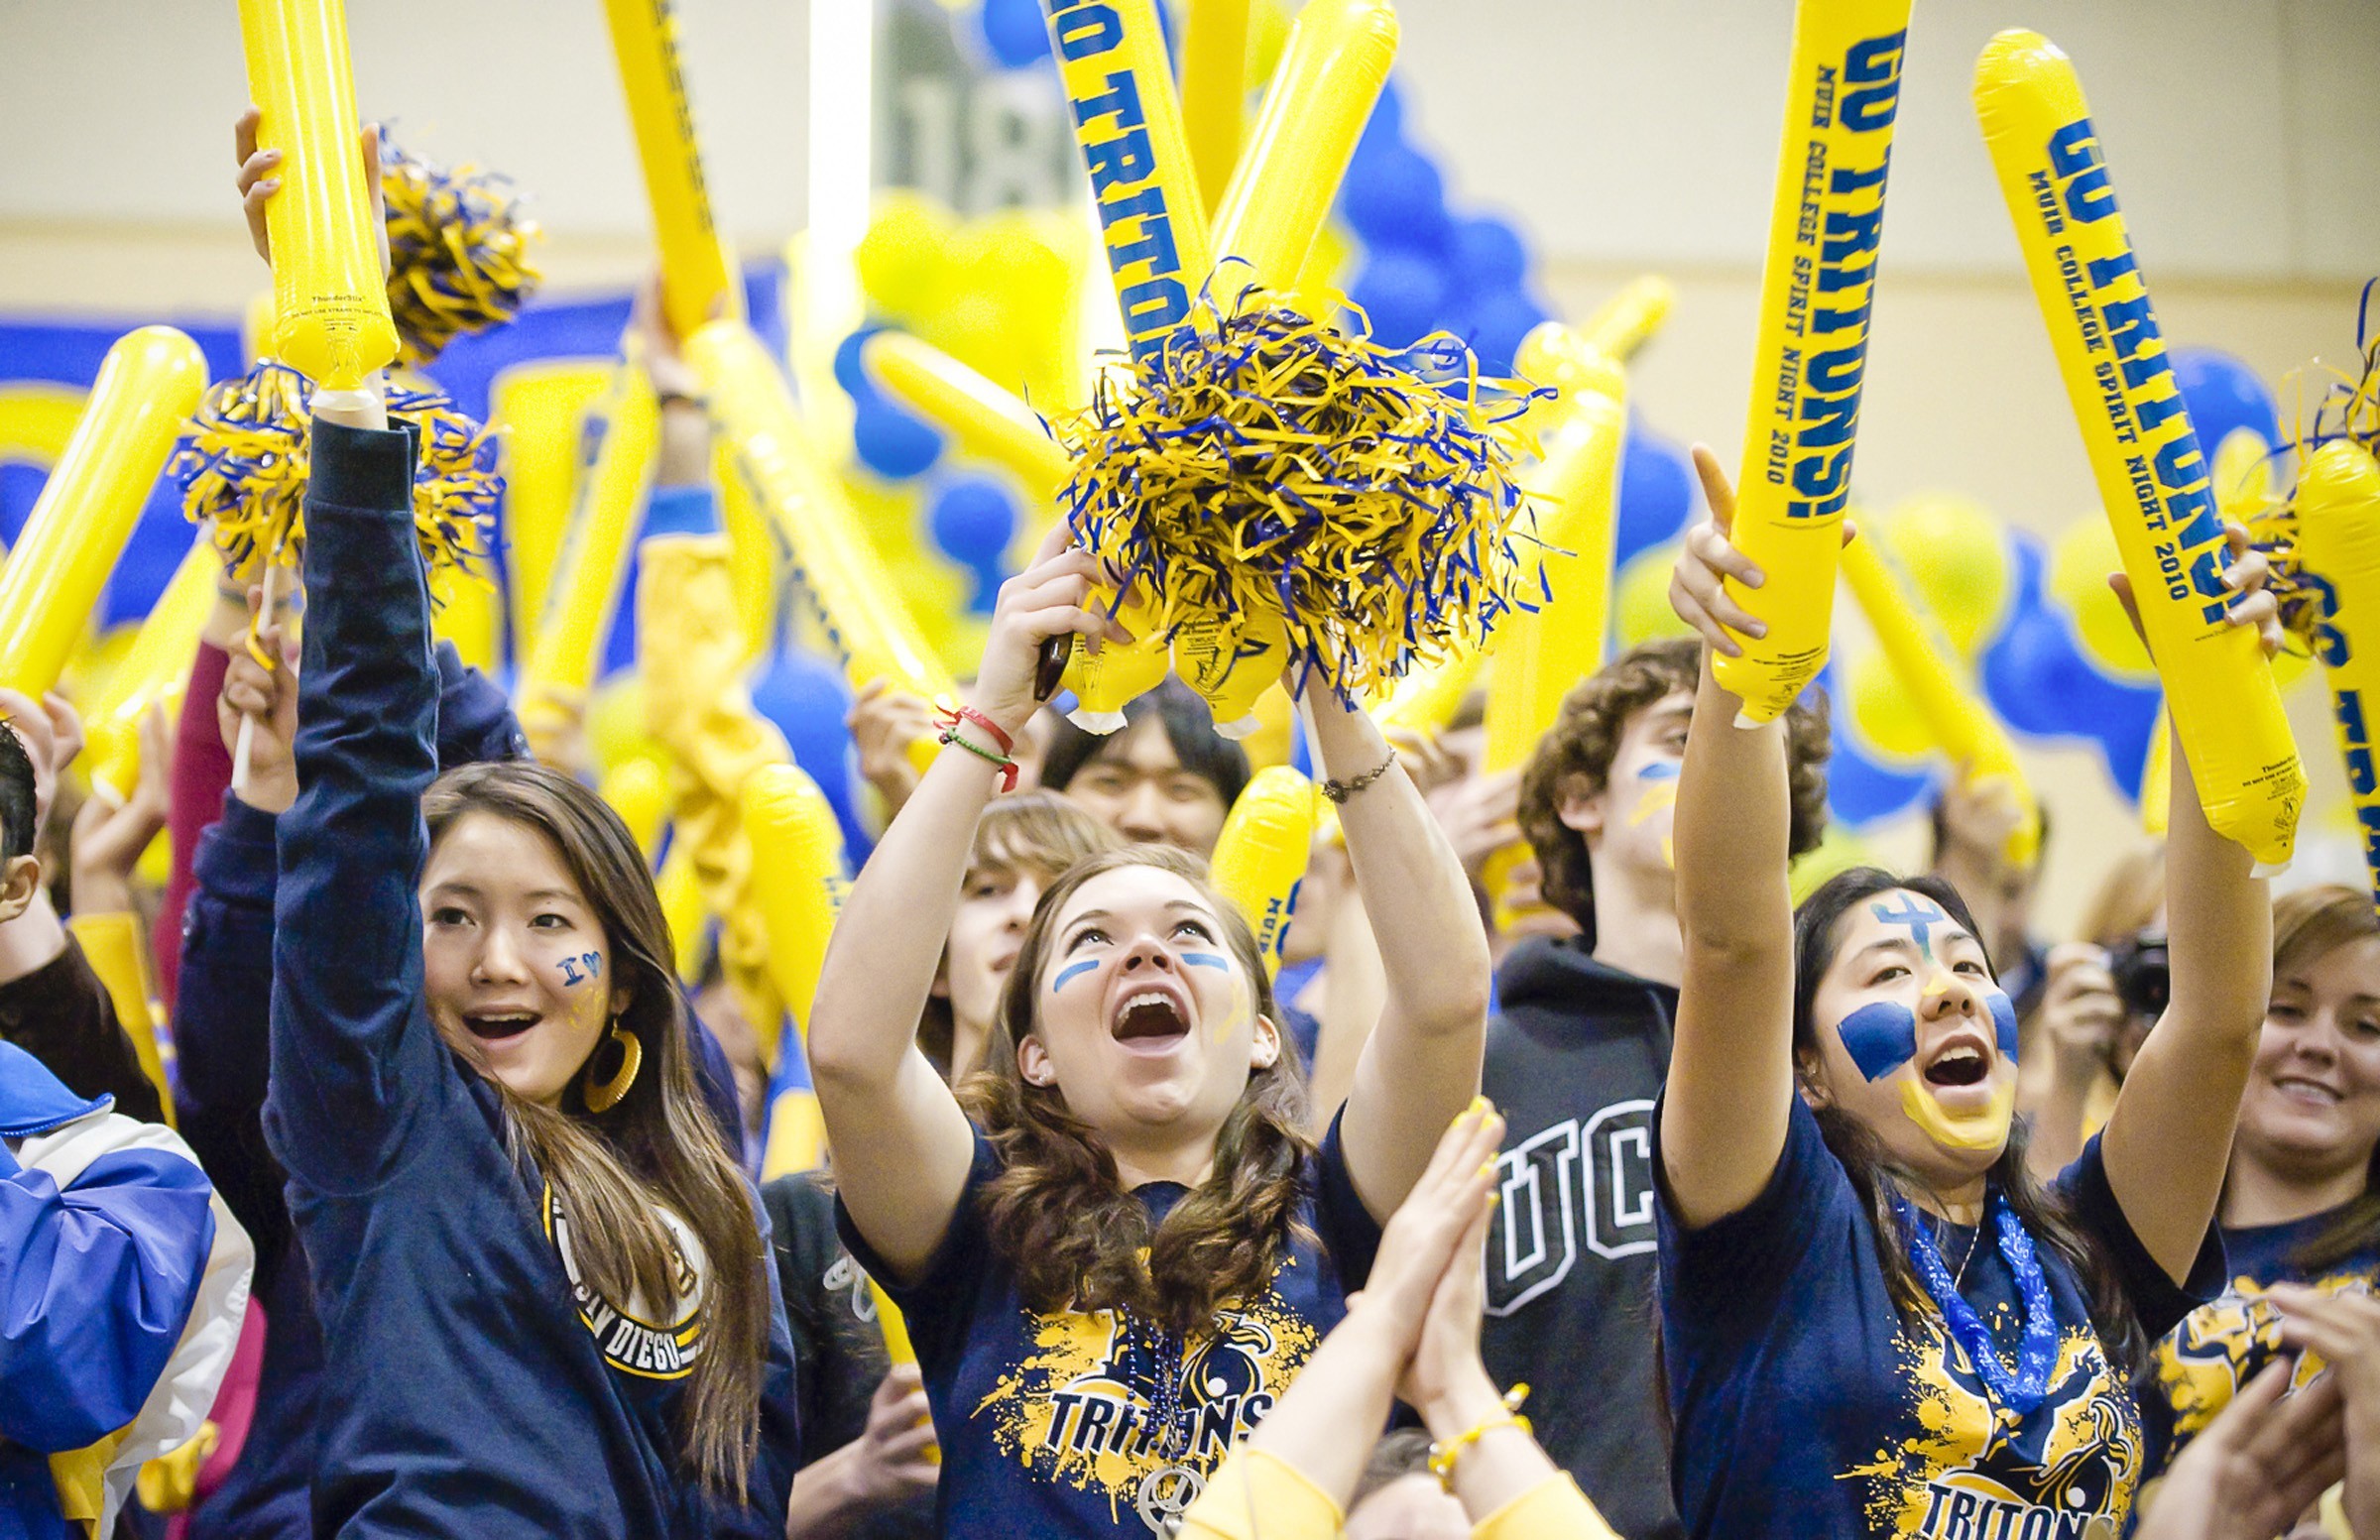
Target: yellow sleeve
1252,1486
1553,1509
690,650
119,957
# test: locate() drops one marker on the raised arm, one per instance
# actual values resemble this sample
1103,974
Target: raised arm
903,1149
2169,1139
1731,1068
351,1045
1421,1064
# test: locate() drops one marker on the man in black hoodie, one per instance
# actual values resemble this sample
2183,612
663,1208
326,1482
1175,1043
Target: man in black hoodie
1575,1060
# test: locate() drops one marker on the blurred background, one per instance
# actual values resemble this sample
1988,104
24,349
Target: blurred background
1532,158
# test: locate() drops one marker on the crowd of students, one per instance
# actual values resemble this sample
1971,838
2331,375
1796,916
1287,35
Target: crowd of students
1666,1206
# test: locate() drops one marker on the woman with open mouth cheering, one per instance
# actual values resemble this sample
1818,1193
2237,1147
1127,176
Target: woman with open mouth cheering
1115,1254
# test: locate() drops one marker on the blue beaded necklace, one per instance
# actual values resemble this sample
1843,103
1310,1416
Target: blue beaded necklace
2023,1391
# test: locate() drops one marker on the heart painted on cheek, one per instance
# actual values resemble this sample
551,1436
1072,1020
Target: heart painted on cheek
1880,1037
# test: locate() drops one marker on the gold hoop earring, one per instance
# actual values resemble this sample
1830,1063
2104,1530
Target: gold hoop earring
603,1096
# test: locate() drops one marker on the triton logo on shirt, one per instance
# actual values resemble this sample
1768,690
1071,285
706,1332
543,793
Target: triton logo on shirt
1075,1409
630,1343
2065,1472
1578,1181
2223,1344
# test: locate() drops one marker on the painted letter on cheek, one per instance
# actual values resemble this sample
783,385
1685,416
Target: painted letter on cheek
570,972
1880,1037
1069,970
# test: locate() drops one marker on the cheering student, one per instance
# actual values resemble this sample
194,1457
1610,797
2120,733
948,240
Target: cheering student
540,1272
1111,1271
2300,1202
1874,1321
1576,1056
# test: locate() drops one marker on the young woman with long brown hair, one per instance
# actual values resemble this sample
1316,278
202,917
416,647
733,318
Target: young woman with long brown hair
1115,1255
545,1304
1874,1322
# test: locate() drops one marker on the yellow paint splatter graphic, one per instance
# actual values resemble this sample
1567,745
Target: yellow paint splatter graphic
2221,1345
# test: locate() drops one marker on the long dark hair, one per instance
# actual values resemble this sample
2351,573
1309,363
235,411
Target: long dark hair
657,1146
1875,1177
2308,925
1059,1211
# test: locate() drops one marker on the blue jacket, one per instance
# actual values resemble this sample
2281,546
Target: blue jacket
464,1395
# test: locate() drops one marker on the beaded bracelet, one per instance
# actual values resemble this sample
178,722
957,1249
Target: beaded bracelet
952,716
1442,1456
1340,790
1008,765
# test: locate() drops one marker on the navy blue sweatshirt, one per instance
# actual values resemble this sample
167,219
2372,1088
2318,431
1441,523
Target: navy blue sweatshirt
470,1397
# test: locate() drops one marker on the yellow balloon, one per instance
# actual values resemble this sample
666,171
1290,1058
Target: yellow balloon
901,258
1640,605
1260,857
584,594
1816,287
1314,111
329,302
1127,121
1883,712
639,790
1627,321
616,723
2243,475
698,283
1956,558
148,386
2081,558
2338,541
1839,850
1953,713
2151,470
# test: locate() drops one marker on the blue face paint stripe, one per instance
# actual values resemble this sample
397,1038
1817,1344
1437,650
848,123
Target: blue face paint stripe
1659,770
2003,1022
1205,960
1069,970
1880,1037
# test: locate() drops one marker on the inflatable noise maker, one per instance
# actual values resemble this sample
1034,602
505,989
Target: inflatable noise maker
2337,508
1958,721
797,857
1260,857
84,515
1274,492
330,299
2152,473
1815,289
153,672
697,282
855,597
585,592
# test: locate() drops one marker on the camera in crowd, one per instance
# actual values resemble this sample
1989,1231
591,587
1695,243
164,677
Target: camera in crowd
2143,980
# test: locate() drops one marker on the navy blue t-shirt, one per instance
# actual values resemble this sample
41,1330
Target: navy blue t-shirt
2223,1344
1040,1415
1806,1405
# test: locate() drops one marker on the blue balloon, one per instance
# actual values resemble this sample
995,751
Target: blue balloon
1656,493
1386,125
2123,716
893,441
973,519
1014,33
1402,295
2222,394
1496,324
806,697
1397,199
849,372
1488,256
1859,790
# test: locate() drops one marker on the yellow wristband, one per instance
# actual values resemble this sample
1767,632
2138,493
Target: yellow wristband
1442,1456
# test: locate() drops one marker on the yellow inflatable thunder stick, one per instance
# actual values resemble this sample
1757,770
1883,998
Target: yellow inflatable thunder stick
118,953
536,411
1214,91
1260,857
584,593
1129,123
1960,725
2152,474
1576,492
862,610
148,386
2339,551
2157,777
153,672
1319,97
329,299
1815,289
639,790
1229,668
1627,321
988,421
698,284
801,873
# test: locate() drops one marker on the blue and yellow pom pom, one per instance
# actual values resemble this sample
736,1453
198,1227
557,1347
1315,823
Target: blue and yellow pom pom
1267,461
458,252
244,467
